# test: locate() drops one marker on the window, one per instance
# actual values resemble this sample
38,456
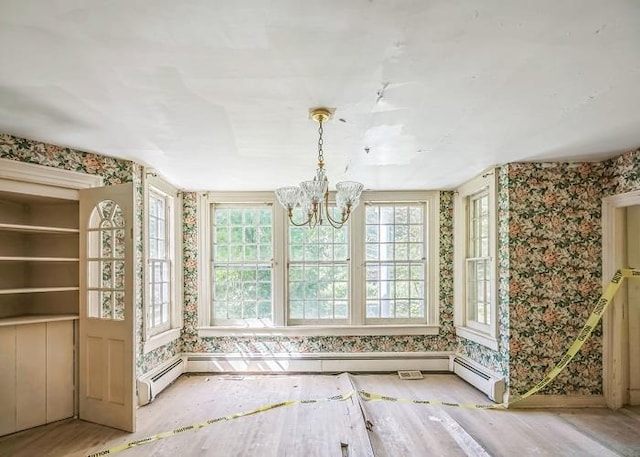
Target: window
478,267
159,263
395,262
162,313
376,275
241,264
474,274
318,274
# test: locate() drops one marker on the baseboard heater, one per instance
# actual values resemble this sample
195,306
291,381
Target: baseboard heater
479,377
488,382
317,362
154,382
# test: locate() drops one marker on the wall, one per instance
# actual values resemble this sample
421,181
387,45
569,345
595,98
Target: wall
555,257
555,273
113,171
549,269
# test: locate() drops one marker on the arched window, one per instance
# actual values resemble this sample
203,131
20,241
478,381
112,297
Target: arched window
106,262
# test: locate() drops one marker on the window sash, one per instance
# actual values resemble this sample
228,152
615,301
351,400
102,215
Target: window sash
478,263
478,287
396,264
159,308
317,276
159,262
242,264
311,304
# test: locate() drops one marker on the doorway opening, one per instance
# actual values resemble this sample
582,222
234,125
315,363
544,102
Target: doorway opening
621,323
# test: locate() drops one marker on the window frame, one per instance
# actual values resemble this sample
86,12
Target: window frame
320,322
425,262
153,338
356,322
466,326
248,205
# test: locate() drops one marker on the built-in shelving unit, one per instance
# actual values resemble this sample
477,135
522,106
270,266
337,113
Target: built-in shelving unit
39,255
39,293
39,287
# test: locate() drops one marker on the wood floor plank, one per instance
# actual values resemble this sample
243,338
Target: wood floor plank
319,429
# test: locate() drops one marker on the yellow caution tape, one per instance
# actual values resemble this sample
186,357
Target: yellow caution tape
370,396
585,333
209,422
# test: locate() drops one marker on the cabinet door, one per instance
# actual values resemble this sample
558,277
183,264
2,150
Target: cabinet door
31,375
60,365
7,379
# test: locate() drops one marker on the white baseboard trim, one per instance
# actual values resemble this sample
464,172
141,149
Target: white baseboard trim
317,362
561,401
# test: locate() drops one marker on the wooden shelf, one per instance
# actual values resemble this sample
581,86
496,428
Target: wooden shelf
36,318
31,290
37,229
38,259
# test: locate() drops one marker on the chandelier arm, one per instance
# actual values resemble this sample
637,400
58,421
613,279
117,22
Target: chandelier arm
302,224
335,223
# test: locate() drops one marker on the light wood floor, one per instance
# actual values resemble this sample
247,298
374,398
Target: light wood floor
338,428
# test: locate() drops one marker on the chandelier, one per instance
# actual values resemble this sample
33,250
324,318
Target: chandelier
312,197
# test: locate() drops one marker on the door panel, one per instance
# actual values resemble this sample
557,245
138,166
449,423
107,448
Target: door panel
31,378
59,370
107,394
633,291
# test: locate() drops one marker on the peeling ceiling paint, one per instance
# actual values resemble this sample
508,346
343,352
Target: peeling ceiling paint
215,95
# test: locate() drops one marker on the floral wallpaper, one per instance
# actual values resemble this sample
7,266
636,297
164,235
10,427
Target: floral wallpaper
190,340
554,273
308,344
113,171
623,173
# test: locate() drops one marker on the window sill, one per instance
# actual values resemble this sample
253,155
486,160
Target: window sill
478,337
335,330
161,339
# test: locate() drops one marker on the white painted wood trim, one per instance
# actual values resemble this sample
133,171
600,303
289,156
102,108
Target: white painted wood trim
489,337
33,290
561,401
36,319
319,330
150,180
317,362
204,273
160,339
36,229
613,255
479,337
40,174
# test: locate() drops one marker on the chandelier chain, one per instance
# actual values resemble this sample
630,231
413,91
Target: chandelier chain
320,143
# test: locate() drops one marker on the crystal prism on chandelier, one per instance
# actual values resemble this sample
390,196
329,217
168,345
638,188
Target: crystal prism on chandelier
312,197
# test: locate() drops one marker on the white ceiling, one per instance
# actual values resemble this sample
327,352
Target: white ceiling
215,94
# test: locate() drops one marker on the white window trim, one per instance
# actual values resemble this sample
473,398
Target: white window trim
357,319
152,340
484,335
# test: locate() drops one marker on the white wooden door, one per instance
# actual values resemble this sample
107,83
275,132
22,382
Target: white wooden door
106,353
633,291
